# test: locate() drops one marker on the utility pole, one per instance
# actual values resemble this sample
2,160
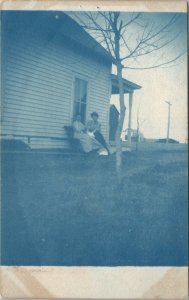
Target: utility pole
168,122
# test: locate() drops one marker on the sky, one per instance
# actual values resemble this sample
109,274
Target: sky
158,84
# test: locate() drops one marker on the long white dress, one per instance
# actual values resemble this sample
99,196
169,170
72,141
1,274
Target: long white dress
88,142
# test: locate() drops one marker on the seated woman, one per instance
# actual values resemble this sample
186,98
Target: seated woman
94,127
88,143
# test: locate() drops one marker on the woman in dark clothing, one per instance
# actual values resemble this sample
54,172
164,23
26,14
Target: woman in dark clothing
94,126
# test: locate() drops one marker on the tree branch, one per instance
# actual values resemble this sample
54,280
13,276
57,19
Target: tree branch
156,66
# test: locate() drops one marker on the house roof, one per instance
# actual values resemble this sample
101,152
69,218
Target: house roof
54,24
58,25
128,86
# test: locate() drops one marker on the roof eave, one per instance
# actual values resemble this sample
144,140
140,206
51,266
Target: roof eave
129,86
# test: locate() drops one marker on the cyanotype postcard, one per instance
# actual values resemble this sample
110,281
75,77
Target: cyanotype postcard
94,149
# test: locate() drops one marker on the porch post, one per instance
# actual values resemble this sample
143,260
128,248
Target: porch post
130,118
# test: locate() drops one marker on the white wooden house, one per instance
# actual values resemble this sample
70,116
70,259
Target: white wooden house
52,69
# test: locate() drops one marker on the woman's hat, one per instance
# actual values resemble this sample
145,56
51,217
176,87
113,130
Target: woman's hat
94,113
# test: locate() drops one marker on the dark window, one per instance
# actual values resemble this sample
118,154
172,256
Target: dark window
80,98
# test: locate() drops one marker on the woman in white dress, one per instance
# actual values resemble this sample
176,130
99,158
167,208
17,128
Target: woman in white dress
88,142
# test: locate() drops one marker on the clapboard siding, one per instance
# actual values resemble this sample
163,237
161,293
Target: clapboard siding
38,86
32,128
21,74
28,119
32,95
13,107
16,128
33,104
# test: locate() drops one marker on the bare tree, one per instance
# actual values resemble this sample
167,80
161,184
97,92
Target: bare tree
111,29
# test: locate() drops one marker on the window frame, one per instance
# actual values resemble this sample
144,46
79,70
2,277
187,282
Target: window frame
84,78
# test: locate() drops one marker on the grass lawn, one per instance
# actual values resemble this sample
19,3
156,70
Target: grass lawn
67,210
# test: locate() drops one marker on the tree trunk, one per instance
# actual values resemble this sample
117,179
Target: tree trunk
137,137
130,118
120,124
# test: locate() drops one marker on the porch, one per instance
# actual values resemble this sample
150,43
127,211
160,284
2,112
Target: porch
129,88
